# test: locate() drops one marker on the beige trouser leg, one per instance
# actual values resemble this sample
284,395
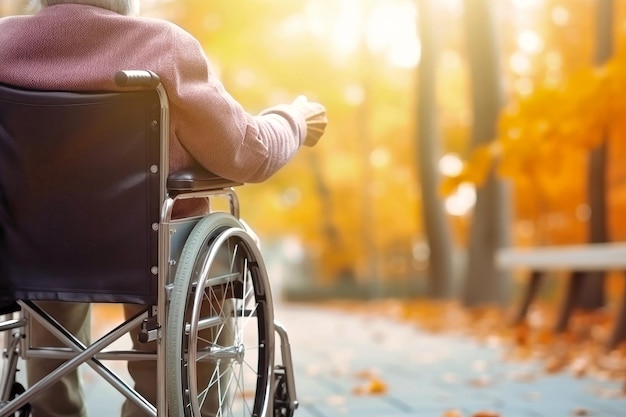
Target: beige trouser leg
143,373
64,398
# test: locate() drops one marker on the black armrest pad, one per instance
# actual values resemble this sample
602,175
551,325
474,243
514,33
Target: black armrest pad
197,179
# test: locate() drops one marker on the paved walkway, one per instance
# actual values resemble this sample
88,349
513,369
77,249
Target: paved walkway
343,359
424,374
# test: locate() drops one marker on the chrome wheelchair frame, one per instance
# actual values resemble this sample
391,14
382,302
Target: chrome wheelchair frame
213,312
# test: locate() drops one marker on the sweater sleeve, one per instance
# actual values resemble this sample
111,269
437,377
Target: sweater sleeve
216,130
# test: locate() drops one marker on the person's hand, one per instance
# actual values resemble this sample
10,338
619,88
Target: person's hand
315,116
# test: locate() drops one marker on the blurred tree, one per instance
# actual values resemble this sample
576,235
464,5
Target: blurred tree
593,296
12,7
437,229
489,229
585,289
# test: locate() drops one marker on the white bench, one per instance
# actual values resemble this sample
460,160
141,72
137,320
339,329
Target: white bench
571,258
588,257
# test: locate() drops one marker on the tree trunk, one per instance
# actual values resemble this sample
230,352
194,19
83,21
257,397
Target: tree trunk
573,293
437,228
592,294
9,8
484,284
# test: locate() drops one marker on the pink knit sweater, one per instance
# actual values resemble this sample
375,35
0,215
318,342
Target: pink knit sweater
76,47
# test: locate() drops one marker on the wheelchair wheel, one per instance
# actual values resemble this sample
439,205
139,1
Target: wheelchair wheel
220,334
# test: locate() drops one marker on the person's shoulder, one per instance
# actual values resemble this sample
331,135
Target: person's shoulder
16,19
162,24
175,33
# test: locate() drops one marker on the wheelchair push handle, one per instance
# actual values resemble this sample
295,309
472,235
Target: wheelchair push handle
137,78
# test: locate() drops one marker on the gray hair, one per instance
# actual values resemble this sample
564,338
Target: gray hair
125,7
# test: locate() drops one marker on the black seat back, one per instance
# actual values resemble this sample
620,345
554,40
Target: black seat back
79,195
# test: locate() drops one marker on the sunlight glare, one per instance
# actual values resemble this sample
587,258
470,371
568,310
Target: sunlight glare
520,64
291,197
380,157
461,202
354,94
529,41
450,165
583,212
316,19
526,4
388,29
347,28
560,15
453,7
391,29
292,249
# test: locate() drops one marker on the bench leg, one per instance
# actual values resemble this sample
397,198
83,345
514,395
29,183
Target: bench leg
619,330
531,291
569,303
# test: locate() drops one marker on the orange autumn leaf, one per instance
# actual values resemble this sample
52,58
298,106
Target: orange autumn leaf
452,413
481,381
486,413
580,412
374,386
555,364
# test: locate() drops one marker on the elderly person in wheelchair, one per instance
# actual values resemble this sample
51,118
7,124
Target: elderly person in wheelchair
79,46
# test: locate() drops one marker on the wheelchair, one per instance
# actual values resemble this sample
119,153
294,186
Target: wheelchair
86,203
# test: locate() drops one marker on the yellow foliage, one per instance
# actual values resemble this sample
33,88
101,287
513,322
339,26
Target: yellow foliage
449,185
543,142
534,131
475,170
479,165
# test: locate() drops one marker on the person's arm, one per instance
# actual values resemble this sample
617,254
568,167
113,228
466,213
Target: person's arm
217,131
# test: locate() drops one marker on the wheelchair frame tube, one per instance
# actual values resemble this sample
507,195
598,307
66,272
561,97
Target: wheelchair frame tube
164,250
229,193
86,355
285,349
11,357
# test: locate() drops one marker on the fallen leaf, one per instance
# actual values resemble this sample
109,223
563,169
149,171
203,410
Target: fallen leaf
452,413
486,413
481,381
580,367
366,374
555,364
374,386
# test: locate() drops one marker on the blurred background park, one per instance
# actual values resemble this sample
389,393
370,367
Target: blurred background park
456,127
